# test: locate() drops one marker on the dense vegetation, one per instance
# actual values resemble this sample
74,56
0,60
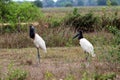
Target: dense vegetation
12,12
56,26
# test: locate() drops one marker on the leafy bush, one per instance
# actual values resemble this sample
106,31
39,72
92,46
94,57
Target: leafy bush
54,22
85,22
107,20
24,12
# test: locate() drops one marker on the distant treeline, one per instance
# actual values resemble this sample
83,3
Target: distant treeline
68,3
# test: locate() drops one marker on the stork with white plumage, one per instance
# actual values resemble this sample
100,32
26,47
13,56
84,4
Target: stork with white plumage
38,41
85,44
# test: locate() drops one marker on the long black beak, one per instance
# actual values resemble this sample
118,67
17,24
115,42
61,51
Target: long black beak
76,36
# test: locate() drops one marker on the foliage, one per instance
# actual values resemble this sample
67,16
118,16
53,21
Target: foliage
64,3
48,3
114,2
116,33
114,53
3,8
109,76
101,2
60,34
85,22
68,4
108,3
25,11
80,3
38,3
55,22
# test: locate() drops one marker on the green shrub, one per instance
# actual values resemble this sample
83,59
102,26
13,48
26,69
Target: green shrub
26,11
23,13
85,22
116,20
116,33
107,20
114,54
54,22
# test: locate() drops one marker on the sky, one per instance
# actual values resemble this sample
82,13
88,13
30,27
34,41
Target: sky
28,0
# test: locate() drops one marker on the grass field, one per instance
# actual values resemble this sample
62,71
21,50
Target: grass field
60,63
98,10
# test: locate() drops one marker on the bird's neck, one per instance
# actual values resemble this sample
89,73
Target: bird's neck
80,37
32,35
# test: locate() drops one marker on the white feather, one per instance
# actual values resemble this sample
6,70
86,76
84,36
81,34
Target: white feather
39,42
87,46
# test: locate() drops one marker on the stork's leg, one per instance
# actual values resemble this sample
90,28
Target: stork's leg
87,59
87,56
38,56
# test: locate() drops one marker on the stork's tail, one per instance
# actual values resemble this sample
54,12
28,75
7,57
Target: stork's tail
45,50
93,55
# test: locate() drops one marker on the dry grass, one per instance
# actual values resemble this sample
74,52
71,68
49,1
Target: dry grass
59,63
98,10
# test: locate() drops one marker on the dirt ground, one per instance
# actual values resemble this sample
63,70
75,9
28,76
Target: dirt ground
60,63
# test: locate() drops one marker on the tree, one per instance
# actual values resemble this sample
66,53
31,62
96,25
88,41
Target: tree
4,7
48,3
101,2
61,3
68,4
38,3
118,1
92,2
114,2
108,3
80,3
